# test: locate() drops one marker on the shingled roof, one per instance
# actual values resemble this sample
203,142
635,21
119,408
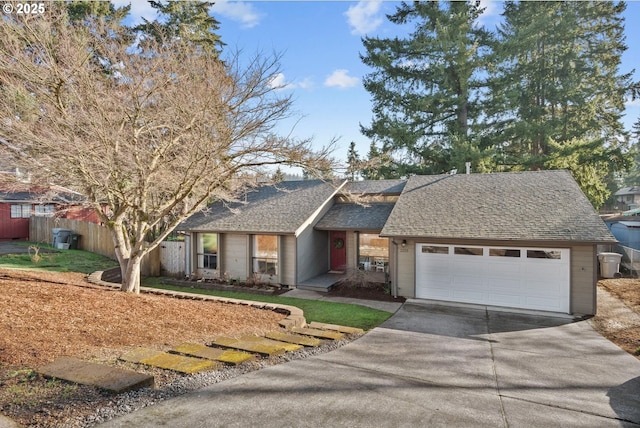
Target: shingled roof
356,217
526,206
280,208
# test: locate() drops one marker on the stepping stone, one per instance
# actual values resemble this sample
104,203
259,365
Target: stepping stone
249,346
294,338
334,327
228,356
164,360
288,347
112,379
322,334
138,354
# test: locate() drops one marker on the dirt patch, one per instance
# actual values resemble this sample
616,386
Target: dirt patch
611,322
370,291
48,315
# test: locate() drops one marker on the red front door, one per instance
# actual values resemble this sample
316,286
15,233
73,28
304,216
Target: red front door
338,252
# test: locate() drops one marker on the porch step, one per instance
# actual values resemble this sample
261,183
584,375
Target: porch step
321,283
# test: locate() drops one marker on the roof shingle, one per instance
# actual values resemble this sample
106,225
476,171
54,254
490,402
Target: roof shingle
529,206
280,208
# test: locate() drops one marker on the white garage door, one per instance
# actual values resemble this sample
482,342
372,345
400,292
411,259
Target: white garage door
517,277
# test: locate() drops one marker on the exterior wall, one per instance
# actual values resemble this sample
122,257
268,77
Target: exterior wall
584,277
12,228
287,260
312,253
405,272
234,254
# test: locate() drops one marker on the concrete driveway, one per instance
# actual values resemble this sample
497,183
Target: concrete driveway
430,366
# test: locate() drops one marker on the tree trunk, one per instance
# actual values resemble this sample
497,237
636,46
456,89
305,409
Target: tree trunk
131,275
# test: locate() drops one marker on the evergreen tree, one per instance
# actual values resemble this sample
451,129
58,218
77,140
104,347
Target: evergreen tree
188,20
426,87
557,78
353,162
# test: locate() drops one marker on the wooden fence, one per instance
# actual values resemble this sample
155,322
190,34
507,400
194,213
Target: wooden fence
93,238
172,258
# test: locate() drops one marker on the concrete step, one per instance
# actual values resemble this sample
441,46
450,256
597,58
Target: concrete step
294,338
227,356
321,334
249,346
288,347
112,379
334,327
165,360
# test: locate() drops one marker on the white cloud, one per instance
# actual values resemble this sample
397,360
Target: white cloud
341,79
363,17
139,10
238,11
632,103
279,81
492,10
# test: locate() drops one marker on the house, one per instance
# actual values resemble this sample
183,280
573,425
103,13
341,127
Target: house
629,196
20,201
522,240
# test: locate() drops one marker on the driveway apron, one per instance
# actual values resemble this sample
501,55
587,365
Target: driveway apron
430,365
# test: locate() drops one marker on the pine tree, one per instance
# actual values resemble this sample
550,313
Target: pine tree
353,162
189,20
425,88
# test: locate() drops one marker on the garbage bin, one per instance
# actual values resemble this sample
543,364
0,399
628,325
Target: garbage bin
74,241
60,236
609,264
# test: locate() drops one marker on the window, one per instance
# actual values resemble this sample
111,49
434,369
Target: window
21,211
208,251
544,254
44,210
374,252
265,254
435,249
503,252
468,251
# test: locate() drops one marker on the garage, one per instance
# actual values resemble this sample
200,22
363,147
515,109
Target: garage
518,277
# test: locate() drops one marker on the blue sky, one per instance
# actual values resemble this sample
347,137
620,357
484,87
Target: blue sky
320,44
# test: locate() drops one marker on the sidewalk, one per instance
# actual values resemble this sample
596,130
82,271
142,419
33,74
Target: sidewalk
314,295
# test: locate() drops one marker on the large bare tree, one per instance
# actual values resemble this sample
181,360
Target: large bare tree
150,131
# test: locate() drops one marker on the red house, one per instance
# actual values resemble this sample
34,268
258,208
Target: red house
20,201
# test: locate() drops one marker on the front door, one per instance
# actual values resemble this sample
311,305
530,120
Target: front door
338,252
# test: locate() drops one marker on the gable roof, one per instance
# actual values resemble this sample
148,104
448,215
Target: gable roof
281,209
528,206
345,216
633,190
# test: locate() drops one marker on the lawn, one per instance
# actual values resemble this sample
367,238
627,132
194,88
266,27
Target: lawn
314,310
50,259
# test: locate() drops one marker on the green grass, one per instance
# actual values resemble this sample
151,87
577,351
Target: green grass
314,310
57,260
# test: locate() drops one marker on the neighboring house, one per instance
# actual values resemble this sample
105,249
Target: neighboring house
19,202
524,240
630,196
